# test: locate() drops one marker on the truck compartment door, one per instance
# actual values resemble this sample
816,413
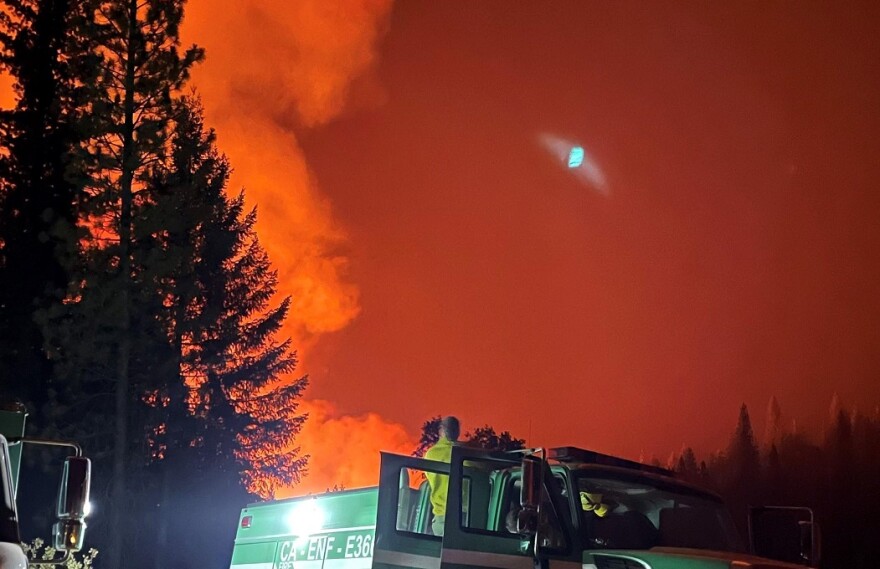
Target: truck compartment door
404,539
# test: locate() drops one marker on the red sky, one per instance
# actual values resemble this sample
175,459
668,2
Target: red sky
442,262
733,259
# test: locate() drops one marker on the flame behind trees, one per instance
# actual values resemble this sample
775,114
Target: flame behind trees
165,359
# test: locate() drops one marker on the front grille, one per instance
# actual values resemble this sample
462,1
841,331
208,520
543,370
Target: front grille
613,562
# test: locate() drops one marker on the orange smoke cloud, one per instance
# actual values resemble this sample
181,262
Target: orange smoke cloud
274,67
345,449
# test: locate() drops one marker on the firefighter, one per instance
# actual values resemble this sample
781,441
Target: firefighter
442,452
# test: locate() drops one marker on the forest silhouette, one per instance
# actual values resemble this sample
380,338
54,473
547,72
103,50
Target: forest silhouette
838,476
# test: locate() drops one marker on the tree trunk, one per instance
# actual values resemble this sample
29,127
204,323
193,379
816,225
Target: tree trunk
129,164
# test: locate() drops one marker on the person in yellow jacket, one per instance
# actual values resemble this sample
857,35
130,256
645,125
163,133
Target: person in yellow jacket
439,483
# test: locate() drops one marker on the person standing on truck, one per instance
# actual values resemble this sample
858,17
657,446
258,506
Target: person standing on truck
439,483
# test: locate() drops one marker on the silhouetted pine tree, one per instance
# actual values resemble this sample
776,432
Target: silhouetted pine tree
844,502
44,46
837,479
141,67
219,317
738,471
687,467
227,416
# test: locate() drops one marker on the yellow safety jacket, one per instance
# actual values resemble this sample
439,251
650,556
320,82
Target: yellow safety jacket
442,452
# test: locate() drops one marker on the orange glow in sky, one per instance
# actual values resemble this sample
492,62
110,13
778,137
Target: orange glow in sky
443,264
440,263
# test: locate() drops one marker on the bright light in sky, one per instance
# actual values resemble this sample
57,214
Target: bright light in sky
576,157
578,161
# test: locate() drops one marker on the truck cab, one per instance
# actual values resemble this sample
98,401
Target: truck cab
566,508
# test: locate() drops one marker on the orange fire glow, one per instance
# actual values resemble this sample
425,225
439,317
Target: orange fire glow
300,74
345,449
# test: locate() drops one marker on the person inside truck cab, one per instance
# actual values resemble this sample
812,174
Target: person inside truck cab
439,483
611,525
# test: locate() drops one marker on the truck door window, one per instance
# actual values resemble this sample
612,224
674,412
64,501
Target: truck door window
414,502
494,502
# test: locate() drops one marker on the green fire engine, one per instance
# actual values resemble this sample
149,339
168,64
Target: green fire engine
563,508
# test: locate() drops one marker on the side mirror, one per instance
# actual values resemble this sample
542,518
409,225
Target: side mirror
530,499
73,499
530,494
785,534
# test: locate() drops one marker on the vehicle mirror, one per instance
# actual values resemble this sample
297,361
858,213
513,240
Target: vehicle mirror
73,495
530,493
68,534
785,534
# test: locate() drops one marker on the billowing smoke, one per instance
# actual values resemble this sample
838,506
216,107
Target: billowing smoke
345,449
274,68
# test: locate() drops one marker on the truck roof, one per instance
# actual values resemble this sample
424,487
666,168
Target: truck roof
325,494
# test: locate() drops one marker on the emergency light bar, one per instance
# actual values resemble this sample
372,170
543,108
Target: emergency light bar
574,454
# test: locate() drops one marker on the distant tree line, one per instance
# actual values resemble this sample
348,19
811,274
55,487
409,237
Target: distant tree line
838,476
137,307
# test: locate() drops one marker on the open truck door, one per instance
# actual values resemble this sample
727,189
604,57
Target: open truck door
404,538
487,525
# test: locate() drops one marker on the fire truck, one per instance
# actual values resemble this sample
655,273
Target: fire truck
73,494
561,508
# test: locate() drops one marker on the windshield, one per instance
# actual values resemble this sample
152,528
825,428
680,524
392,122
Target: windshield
638,513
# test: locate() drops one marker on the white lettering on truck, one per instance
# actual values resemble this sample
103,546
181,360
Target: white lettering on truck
359,546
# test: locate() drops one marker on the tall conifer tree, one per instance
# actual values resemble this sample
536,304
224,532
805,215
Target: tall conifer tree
227,417
141,67
45,45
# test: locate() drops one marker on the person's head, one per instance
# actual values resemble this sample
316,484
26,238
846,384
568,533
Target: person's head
450,428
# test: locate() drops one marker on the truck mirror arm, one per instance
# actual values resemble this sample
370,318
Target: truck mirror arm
48,442
58,561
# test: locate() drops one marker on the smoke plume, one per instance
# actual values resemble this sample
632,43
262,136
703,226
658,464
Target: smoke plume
273,69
